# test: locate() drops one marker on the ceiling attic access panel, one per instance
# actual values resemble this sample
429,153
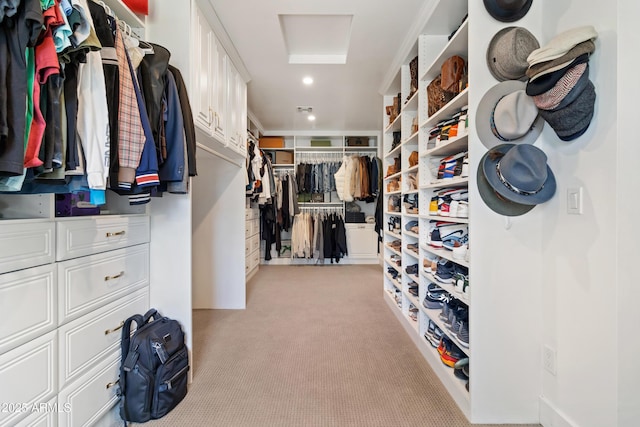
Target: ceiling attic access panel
316,39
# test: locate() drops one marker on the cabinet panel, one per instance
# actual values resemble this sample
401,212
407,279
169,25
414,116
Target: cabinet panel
25,244
92,396
220,90
232,107
90,282
45,416
27,304
203,79
28,377
362,240
80,237
87,340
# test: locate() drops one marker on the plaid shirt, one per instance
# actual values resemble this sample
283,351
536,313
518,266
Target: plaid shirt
131,137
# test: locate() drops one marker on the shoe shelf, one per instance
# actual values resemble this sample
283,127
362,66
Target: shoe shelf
392,234
392,301
394,152
446,218
413,323
411,169
450,147
456,46
412,138
434,314
395,175
391,193
411,104
447,182
412,254
444,253
394,125
392,250
393,213
413,299
409,192
448,110
410,215
411,234
413,277
454,385
451,289
393,281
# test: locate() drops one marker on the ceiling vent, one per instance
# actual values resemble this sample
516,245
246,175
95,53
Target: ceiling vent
305,110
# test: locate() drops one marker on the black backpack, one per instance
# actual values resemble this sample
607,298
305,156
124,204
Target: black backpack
154,366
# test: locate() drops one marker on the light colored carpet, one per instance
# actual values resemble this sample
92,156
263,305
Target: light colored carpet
316,346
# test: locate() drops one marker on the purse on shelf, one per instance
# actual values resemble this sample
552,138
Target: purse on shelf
452,72
436,96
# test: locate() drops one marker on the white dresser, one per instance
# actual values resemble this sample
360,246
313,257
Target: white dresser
66,287
252,243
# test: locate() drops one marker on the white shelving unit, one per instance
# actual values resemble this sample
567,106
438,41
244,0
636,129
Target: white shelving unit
432,50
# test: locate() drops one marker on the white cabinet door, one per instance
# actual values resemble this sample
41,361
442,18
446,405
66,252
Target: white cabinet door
27,377
232,107
27,304
362,241
25,244
204,76
242,114
220,90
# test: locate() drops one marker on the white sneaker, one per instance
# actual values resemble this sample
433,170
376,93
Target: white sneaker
462,209
465,167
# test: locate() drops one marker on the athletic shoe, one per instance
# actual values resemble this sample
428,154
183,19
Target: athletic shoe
433,206
463,333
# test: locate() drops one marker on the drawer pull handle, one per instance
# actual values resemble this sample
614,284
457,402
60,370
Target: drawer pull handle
111,384
117,276
117,233
108,331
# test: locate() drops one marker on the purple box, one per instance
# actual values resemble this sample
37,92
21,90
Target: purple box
75,204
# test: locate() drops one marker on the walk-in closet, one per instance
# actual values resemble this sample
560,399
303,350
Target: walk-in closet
319,213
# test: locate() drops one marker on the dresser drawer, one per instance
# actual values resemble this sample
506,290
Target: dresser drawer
92,396
28,305
85,341
25,244
27,377
87,236
254,243
45,416
91,282
255,226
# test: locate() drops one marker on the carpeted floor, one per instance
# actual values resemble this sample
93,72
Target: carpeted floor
316,346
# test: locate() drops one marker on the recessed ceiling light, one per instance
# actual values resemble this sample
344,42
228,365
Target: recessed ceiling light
307,81
311,117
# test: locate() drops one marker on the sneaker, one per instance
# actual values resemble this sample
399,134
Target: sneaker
463,333
413,312
427,261
444,273
465,167
461,282
444,207
451,353
413,289
454,241
433,206
458,370
462,209
434,300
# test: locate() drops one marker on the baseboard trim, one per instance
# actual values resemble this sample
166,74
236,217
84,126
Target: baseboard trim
550,416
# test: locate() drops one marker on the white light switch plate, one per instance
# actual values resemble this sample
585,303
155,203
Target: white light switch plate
574,201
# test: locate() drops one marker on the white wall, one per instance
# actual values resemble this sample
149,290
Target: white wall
507,270
628,182
218,234
579,274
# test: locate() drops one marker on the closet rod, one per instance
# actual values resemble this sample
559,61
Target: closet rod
215,153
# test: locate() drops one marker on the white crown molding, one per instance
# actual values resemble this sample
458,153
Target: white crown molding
409,42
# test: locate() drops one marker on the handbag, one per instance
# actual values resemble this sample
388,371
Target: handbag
436,96
452,71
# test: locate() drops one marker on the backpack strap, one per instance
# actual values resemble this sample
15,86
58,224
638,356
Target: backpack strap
152,314
127,357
